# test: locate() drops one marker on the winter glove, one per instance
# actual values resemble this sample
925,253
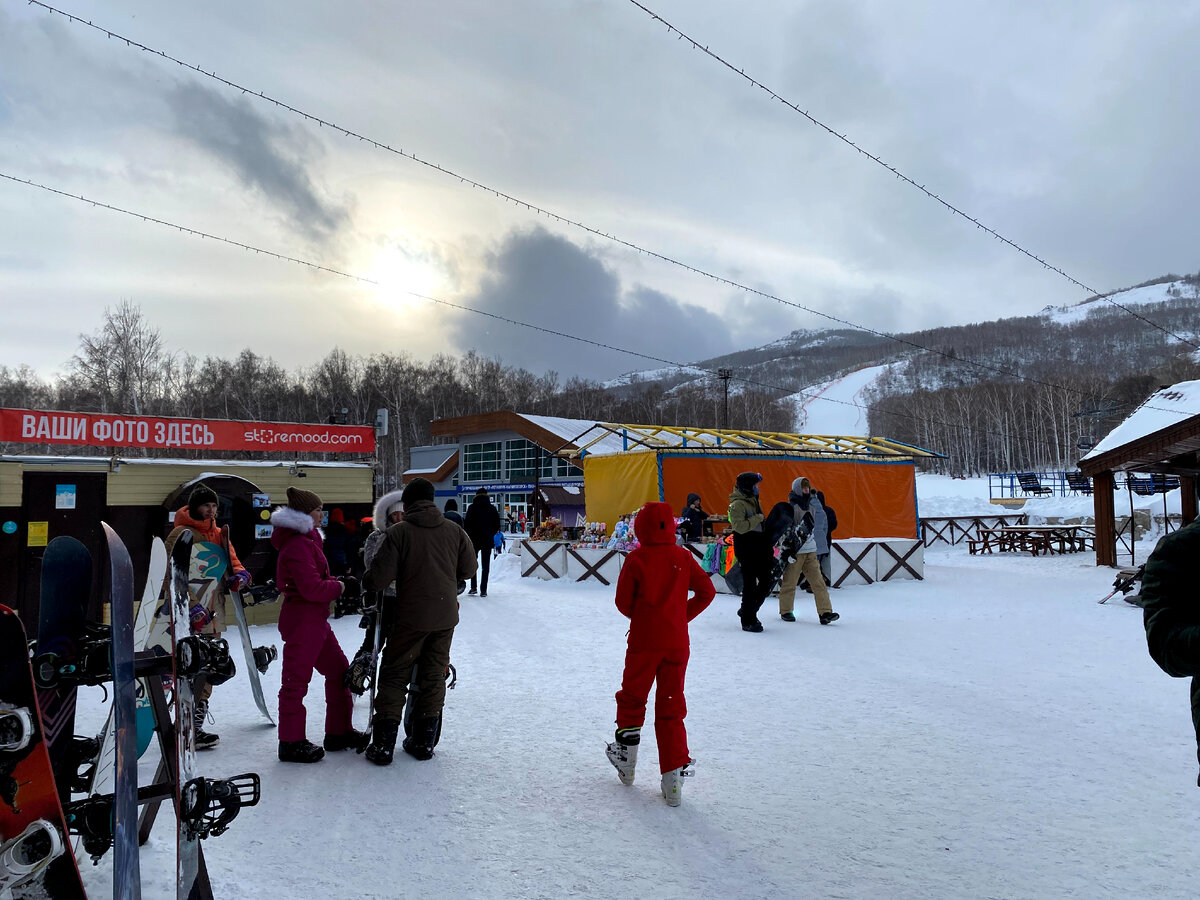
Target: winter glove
238,581
199,616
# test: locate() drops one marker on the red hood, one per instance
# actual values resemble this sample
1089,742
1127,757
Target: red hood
655,524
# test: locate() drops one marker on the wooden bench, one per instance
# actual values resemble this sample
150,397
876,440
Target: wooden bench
1030,484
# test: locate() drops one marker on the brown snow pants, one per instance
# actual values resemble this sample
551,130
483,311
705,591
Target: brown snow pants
808,565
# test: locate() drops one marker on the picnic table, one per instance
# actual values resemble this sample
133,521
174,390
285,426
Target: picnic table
1036,539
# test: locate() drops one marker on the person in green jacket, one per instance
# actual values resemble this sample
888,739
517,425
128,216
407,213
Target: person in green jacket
752,547
1172,610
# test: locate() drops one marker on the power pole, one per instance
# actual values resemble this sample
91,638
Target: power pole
725,375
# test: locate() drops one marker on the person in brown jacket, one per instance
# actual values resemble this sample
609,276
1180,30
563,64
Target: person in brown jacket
427,556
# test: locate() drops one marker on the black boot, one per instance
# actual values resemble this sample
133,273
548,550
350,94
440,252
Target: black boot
425,733
350,740
300,751
383,741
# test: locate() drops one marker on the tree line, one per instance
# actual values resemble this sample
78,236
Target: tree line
126,367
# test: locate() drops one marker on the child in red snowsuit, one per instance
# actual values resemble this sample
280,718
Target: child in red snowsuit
652,591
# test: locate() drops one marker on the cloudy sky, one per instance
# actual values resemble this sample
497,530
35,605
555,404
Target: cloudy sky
1069,127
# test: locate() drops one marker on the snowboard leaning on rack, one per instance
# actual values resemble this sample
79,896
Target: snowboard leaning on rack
66,584
35,850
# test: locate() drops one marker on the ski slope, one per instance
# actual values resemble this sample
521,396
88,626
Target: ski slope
990,732
837,406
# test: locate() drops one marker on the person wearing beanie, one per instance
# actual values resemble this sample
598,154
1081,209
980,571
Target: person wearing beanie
809,515
426,556
482,522
199,517
752,547
451,512
308,588
694,517
653,593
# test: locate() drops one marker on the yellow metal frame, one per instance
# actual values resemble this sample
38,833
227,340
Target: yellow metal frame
670,437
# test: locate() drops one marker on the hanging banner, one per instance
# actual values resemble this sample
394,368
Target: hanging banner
24,426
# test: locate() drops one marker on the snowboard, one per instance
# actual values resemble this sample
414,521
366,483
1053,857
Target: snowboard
35,850
187,849
62,617
257,658
127,881
361,676
103,775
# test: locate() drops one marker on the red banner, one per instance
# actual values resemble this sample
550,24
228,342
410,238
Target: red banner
26,426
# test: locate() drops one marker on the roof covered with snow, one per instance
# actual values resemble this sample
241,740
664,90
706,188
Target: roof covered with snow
1162,409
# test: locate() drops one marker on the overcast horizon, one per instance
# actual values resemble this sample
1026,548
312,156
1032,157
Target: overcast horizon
1068,131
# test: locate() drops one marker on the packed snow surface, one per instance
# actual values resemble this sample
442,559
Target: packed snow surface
988,732
837,406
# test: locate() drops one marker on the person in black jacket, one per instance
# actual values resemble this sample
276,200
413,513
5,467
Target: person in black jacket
482,522
694,518
451,512
1171,603
824,558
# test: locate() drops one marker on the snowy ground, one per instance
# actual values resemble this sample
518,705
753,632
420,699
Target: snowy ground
990,732
837,406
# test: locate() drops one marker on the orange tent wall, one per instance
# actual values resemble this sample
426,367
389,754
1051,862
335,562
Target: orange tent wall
871,499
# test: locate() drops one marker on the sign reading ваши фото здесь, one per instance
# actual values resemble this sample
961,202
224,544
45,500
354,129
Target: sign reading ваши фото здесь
153,432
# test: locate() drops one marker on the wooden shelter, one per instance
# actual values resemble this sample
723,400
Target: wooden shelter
1160,436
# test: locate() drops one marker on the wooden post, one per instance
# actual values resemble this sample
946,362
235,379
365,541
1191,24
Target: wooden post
1106,532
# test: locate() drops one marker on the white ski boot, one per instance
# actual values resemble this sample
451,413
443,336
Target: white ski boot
672,782
622,753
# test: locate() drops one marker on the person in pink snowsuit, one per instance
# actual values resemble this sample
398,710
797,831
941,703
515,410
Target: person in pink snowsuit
652,590
302,574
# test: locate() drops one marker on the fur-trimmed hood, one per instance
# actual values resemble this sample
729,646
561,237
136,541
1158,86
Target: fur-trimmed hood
286,517
382,505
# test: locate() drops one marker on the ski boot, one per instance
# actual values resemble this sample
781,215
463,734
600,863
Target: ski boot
16,728
672,782
383,741
424,738
204,740
622,752
300,752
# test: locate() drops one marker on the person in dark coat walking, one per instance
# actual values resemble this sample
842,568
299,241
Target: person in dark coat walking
694,518
426,556
482,522
752,547
337,543
1171,610
653,592
451,512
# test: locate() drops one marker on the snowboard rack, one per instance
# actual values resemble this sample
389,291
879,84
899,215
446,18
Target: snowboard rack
208,805
91,664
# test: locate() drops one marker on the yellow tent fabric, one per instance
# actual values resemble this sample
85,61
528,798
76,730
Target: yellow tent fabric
618,484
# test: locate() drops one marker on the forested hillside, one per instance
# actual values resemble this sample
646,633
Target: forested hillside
1019,393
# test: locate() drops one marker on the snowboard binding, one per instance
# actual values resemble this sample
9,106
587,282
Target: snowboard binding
208,806
28,854
260,593
207,654
91,663
81,758
92,820
16,729
264,656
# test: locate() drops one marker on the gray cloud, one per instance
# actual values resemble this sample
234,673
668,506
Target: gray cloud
264,155
541,278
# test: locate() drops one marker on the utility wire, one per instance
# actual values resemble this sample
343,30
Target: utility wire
481,312
556,217
696,45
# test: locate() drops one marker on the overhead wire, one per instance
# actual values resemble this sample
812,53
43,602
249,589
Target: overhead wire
283,257
740,72
553,216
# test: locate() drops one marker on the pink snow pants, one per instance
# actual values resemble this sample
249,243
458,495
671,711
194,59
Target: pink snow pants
642,669
309,643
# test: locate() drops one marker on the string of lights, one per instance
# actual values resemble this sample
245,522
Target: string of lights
553,216
283,257
696,45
